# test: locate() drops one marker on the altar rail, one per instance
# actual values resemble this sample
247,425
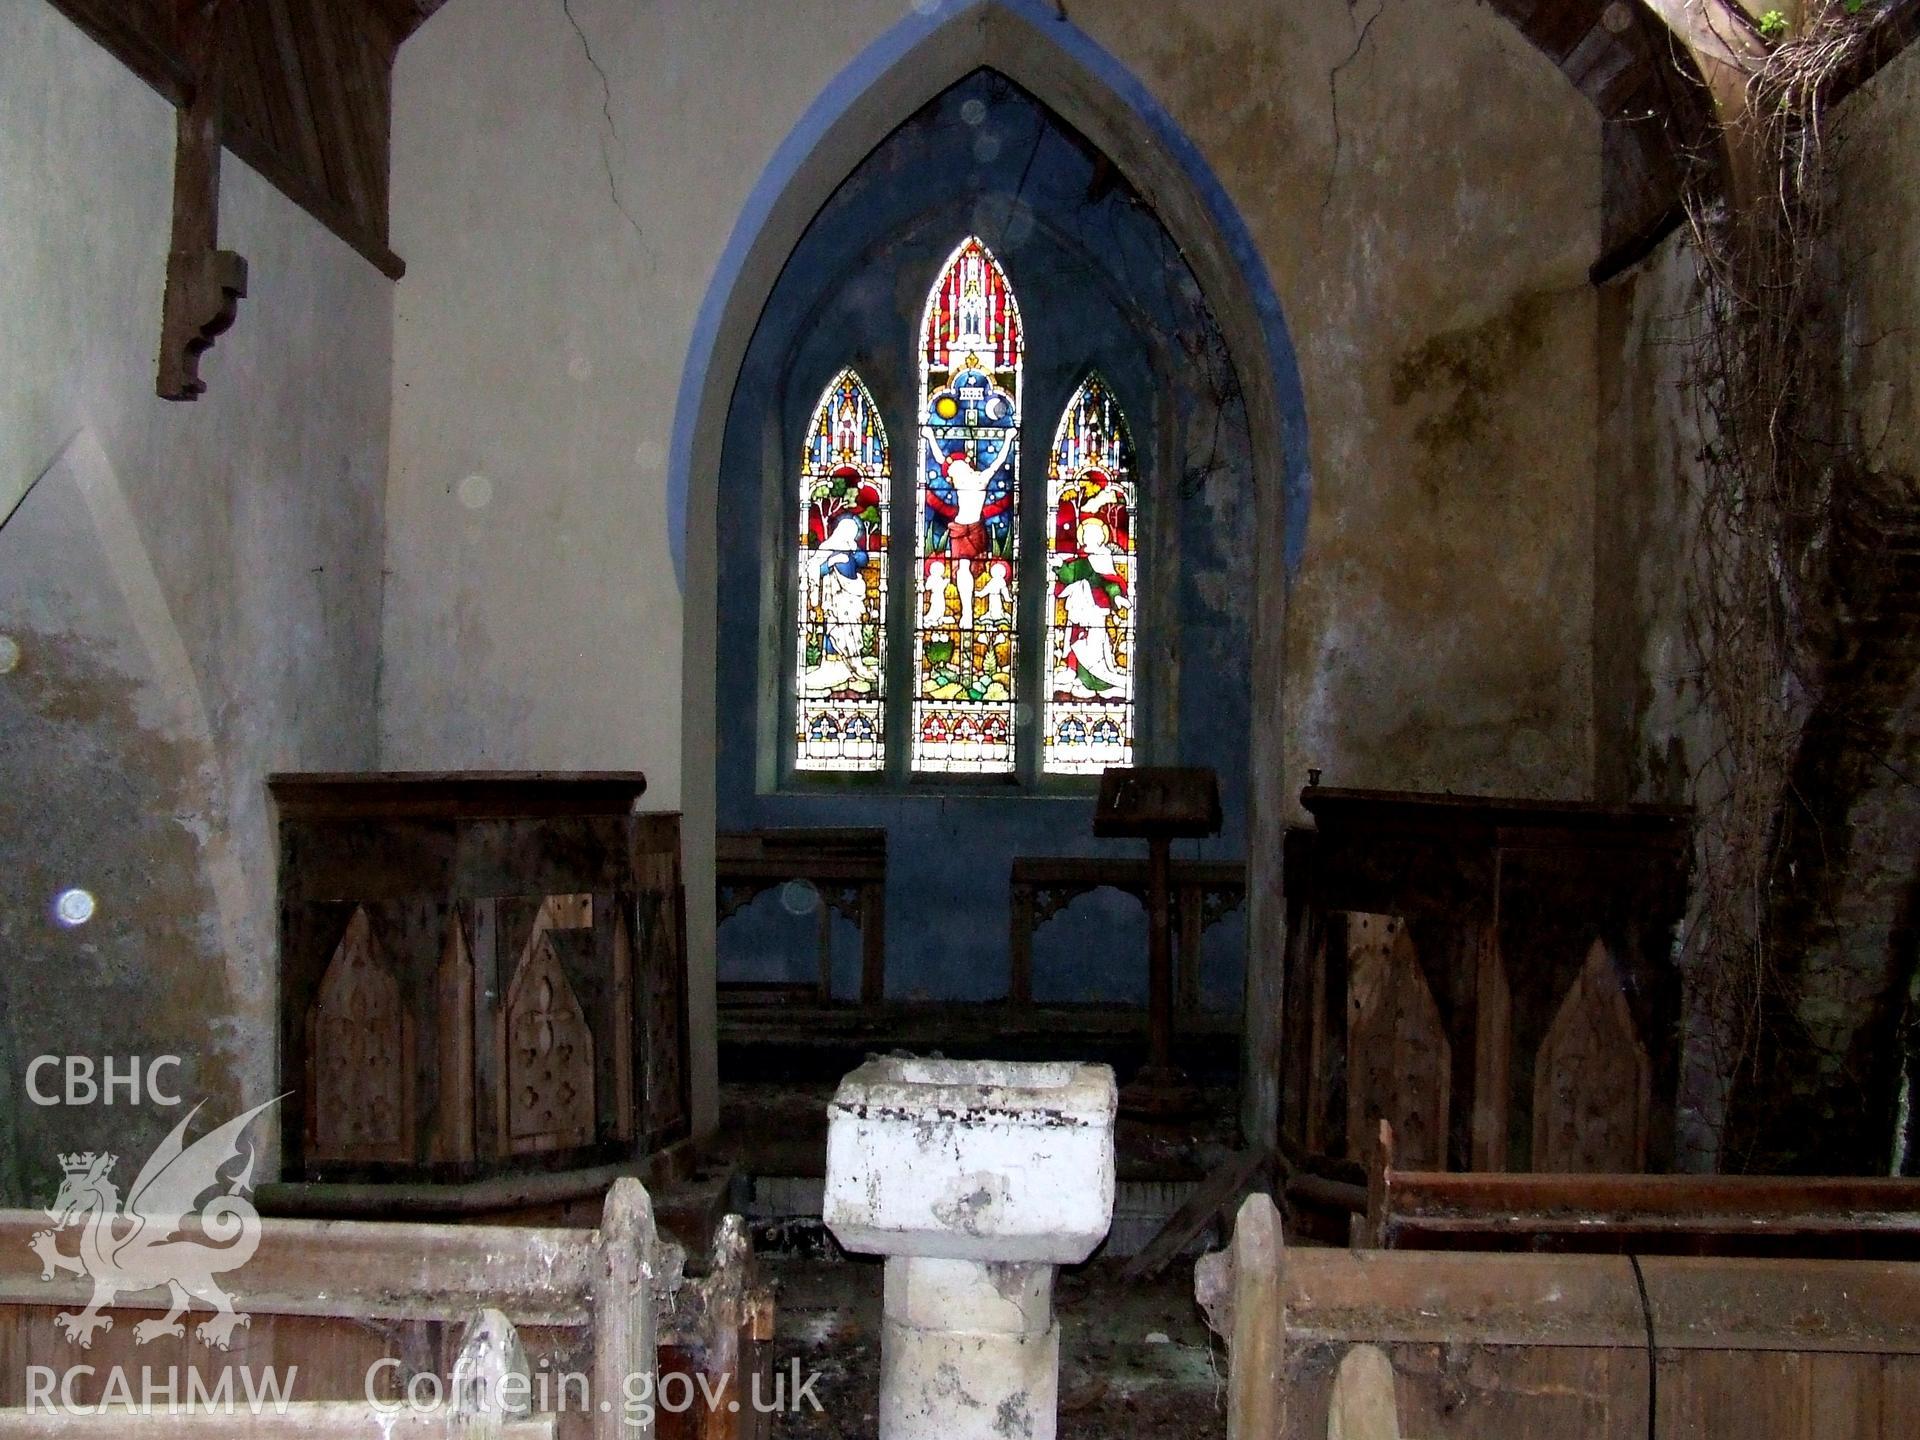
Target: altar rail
1539,1347
335,1298
840,872
1203,893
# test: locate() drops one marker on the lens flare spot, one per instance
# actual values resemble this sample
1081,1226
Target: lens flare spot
73,907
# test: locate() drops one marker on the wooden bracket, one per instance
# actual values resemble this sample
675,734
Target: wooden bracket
204,283
204,290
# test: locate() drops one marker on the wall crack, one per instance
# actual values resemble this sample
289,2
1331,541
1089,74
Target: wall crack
612,130
1333,95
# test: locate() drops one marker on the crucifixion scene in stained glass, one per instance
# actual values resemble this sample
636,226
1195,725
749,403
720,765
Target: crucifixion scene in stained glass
839,710
969,496
1093,582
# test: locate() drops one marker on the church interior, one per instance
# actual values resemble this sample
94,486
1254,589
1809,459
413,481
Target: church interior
997,718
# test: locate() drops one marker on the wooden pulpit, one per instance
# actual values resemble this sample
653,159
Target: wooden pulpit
1160,805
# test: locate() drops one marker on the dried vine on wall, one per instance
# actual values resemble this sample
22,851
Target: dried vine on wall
1772,473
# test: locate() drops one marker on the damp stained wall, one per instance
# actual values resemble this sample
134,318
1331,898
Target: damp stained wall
1877,239
1865,957
190,591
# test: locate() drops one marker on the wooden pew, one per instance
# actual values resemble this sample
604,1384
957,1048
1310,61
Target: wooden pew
1541,1347
480,1407
318,1420
330,1300
1841,1217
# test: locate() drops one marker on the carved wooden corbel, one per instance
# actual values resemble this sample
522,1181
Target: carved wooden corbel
204,290
204,283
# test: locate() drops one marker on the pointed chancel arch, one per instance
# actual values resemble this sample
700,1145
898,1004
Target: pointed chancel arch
840,670
968,554
922,53
1093,577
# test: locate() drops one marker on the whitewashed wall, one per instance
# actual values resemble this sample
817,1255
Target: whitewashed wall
192,591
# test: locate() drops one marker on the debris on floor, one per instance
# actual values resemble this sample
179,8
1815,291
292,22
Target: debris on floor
1135,1359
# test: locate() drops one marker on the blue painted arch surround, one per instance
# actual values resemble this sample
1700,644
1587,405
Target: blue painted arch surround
915,46
934,45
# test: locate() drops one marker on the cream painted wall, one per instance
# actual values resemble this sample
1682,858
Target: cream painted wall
193,589
1432,264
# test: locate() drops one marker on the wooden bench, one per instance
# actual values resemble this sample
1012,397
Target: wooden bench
1204,891
1541,1347
487,1399
1844,1217
336,1298
847,871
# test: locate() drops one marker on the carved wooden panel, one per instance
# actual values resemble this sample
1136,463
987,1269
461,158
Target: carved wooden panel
1592,1080
666,1105
1399,1062
548,1050
1503,900
623,1118
1492,1056
453,1127
360,1057
530,931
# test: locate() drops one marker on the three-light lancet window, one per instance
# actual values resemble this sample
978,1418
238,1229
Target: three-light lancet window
962,667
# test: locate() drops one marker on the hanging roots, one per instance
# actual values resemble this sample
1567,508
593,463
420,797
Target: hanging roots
1760,371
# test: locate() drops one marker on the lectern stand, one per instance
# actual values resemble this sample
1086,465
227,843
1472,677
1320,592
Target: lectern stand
1159,805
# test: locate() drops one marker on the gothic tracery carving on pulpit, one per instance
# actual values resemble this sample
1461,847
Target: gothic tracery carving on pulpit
360,1049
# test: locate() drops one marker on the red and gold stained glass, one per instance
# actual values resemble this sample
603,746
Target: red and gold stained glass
1093,580
968,532
840,677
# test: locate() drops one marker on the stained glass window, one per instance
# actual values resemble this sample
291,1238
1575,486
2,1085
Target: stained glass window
839,715
969,498
1093,579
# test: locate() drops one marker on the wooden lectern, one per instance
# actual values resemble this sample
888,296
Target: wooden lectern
1159,805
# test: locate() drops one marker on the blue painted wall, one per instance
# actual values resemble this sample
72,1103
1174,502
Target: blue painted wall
1101,285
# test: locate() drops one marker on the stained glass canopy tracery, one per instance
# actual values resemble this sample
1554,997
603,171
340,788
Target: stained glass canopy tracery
968,503
840,677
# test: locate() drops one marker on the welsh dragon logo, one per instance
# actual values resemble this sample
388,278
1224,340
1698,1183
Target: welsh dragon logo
133,1249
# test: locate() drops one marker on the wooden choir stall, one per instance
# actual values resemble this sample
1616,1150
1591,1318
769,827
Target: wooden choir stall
1495,978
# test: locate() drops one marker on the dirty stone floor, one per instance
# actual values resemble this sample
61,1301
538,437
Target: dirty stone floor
1136,1360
